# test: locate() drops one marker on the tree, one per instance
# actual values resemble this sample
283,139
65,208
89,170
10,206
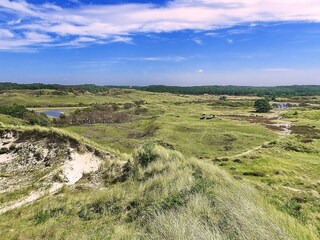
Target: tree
262,106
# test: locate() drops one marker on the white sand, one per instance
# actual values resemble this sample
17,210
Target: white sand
34,196
80,164
72,170
6,157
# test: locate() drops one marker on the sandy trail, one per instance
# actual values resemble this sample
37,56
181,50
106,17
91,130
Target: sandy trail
247,152
31,198
285,131
285,126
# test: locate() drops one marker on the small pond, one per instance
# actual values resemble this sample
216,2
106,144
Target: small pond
55,113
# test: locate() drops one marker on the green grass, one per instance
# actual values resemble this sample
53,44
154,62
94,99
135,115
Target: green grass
173,197
5,119
181,128
30,98
280,181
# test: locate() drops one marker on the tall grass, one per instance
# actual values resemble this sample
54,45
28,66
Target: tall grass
58,133
170,197
223,209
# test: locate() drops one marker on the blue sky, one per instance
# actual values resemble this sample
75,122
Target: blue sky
178,42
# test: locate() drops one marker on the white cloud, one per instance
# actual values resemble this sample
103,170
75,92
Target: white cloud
229,40
14,22
200,71
155,59
198,41
22,43
37,37
112,23
122,60
4,33
277,69
86,39
127,40
211,34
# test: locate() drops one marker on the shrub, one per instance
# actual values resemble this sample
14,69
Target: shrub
15,110
20,111
3,150
262,106
44,215
223,98
254,174
139,102
140,111
35,119
97,113
146,154
128,105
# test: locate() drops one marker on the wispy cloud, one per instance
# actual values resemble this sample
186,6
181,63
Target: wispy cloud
154,59
198,41
121,60
109,23
4,33
276,69
229,40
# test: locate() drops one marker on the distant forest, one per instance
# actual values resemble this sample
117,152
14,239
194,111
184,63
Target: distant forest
36,86
281,91
285,91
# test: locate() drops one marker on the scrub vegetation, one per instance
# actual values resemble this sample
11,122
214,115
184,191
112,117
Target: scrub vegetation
186,167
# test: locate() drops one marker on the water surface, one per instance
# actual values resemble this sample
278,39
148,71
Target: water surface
55,113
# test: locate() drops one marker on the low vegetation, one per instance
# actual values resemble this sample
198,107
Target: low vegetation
20,111
168,196
262,106
190,167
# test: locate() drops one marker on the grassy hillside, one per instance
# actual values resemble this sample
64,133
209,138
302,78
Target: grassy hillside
238,174
173,197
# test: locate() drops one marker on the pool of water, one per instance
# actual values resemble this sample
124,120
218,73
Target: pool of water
55,113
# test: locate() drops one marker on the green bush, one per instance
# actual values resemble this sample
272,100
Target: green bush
20,111
15,110
146,154
223,98
262,106
35,119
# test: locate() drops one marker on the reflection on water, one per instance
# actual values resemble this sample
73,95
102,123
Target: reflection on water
55,113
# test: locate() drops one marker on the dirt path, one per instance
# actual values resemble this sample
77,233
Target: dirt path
285,127
34,196
285,131
247,152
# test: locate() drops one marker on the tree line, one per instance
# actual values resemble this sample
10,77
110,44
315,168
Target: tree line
279,91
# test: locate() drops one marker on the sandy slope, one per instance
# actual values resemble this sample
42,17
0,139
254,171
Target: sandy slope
80,164
70,171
